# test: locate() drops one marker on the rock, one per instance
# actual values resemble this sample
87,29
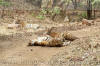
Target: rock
87,22
33,26
97,20
76,59
29,26
66,43
13,26
2,30
66,19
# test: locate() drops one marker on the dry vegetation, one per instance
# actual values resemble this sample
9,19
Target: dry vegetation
14,49
49,35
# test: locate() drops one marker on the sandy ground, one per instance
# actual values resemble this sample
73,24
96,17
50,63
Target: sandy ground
84,51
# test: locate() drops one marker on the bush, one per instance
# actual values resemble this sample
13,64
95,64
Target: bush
4,3
40,17
83,15
48,12
56,10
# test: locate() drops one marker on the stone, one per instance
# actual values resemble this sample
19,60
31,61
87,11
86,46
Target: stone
13,26
87,22
66,19
33,26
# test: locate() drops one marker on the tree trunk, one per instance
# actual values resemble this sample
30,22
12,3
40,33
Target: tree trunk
44,3
47,3
50,3
89,9
3,13
94,13
74,3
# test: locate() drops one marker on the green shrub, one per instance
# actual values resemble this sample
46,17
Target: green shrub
40,17
32,14
4,3
56,10
46,11
83,15
43,11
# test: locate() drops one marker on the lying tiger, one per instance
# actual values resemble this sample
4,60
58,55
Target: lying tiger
53,41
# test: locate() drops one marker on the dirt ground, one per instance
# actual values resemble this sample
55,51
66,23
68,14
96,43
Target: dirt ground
84,51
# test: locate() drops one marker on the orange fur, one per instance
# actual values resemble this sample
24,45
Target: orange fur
63,36
54,34
44,43
69,36
55,43
51,43
56,39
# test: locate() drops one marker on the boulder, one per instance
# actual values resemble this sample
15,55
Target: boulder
33,26
13,26
66,19
87,22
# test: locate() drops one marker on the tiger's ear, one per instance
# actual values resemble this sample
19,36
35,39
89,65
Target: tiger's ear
49,30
